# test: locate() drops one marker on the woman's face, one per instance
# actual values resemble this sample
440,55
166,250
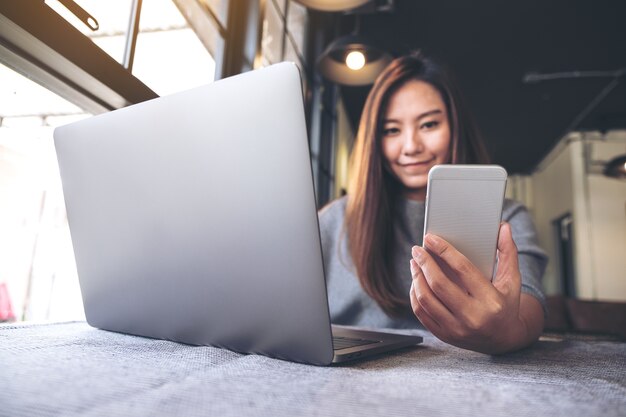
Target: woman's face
415,135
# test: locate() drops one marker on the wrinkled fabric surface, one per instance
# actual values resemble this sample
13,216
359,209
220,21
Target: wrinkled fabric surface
72,369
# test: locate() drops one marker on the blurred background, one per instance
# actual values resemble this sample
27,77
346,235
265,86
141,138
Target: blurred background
545,81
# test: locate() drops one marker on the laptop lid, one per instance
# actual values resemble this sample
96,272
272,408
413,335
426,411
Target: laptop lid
193,218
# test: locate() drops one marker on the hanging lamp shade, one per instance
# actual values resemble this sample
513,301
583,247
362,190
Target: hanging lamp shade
332,63
616,167
333,5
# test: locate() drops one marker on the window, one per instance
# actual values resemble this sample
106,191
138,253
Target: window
273,35
284,34
165,44
169,56
38,265
38,262
112,17
73,72
297,19
281,5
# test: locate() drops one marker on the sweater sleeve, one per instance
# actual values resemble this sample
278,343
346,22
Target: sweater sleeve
532,258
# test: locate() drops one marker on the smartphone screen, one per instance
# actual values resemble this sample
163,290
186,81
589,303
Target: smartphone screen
464,206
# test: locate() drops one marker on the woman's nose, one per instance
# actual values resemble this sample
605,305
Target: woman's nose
412,143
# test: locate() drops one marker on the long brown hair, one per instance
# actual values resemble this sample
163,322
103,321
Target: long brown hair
372,190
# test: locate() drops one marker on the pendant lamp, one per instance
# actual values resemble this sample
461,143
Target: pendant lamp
333,5
352,60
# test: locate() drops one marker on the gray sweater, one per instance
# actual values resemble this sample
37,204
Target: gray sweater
349,304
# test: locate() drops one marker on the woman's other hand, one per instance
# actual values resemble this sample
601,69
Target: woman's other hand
460,306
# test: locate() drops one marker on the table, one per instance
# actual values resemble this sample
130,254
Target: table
72,369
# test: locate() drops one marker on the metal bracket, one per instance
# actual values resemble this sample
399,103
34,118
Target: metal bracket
81,14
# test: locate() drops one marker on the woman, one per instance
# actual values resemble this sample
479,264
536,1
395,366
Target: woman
378,273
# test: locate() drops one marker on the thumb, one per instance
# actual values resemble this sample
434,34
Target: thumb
507,280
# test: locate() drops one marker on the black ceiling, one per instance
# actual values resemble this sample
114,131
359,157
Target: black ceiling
491,45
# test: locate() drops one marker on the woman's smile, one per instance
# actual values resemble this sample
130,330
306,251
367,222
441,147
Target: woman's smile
415,135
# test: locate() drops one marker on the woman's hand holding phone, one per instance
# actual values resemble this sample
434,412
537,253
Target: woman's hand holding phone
460,306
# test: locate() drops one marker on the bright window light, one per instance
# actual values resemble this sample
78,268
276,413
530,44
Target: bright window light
37,267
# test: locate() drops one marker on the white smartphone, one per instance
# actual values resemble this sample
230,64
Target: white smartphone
464,206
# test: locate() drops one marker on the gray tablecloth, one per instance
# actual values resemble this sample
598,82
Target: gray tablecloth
71,369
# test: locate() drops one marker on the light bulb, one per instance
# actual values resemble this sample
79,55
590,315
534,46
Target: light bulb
355,60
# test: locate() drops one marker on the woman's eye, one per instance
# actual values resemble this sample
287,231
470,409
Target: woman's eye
390,131
430,125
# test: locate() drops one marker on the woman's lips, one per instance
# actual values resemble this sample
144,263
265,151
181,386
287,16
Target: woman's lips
416,163
417,167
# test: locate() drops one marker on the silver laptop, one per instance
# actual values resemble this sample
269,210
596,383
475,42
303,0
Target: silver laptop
193,219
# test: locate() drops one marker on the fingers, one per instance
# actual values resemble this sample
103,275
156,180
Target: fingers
424,298
438,283
508,278
468,275
428,309
507,251
421,313
482,319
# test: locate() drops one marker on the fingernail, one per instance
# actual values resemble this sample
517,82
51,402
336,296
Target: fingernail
411,262
432,240
417,252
